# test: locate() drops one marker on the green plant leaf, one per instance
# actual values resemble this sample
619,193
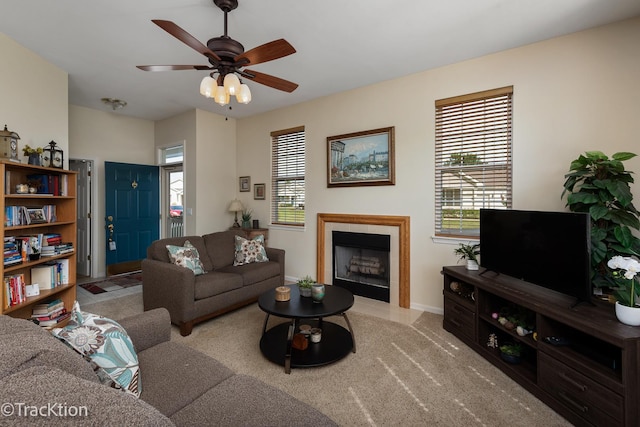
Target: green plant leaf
624,236
582,198
596,155
620,190
598,211
598,252
622,156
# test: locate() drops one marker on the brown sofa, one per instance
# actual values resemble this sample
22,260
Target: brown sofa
180,385
224,287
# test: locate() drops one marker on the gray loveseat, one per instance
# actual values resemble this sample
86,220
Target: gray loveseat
224,287
45,382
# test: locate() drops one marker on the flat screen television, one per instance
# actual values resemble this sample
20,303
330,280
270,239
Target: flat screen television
549,249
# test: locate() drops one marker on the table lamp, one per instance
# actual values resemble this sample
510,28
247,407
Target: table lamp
235,207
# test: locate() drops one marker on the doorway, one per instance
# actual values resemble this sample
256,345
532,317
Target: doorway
132,217
84,215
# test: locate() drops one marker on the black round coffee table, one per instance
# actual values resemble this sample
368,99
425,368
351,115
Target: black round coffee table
336,342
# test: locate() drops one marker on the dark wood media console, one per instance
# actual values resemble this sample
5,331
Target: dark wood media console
594,380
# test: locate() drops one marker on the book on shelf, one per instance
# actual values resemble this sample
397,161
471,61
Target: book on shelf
51,275
51,315
49,184
15,289
46,308
52,322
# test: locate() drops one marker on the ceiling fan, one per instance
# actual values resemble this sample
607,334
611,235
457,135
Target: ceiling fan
228,58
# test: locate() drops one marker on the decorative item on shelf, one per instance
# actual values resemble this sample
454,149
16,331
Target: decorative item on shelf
33,190
492,342
34,248
316,335
22,188
246,218
235,207
511,352
283,293
599,185
300,342
34,155
9,144
305,329
469,253
305,285
256,223
53,157
624,272
317,292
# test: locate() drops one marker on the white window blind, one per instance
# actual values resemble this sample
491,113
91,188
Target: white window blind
288,177
473,159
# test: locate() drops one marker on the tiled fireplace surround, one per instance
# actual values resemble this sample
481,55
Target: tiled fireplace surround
397,227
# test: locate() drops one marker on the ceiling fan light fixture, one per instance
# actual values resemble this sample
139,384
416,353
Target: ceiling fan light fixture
244,94
232,84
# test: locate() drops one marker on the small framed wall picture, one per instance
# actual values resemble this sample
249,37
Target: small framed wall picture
258,191
245,184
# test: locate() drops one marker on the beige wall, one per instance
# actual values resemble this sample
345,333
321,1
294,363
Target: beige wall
34,98
571,94
209,166
107,137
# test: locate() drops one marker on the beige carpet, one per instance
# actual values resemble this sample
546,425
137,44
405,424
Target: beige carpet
414,375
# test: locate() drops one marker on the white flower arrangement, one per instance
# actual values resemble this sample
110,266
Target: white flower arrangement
631,267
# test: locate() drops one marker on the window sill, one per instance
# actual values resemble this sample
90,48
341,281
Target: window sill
454,240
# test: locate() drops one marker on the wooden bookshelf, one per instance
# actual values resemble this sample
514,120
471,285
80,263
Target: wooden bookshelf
61,193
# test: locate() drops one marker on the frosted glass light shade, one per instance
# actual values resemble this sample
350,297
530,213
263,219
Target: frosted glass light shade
232,83
244,94
222,97
208,87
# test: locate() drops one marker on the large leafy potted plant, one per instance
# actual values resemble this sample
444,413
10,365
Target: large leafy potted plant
600,186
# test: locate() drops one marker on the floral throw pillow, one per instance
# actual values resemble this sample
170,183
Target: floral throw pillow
106,345
248,251
186,256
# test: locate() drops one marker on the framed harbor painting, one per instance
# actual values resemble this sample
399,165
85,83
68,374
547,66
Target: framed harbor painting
361,158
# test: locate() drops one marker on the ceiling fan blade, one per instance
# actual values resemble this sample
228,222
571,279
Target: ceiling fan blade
173,67
266,52
185,38
268,80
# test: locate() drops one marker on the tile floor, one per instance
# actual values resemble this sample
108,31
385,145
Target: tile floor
362,305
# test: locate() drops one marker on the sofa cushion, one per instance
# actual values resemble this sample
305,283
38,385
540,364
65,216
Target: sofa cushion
255,272
220,248
158,250
186,256
262,405
248,251
104,343
175,375
215,283
45,387
37,347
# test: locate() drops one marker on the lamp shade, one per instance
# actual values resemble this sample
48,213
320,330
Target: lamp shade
208,87
222,97
244,94
236,206
232,84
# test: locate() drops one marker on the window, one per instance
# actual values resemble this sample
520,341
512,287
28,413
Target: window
288,176
473,159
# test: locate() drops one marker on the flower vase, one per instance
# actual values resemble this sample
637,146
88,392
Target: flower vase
317,292
305,292
628,315
472,265
34,159
246,224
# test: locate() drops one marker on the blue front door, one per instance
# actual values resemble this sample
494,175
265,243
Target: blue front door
132,208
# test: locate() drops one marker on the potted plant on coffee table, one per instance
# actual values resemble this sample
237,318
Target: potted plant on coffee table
469,253
305,284
624,271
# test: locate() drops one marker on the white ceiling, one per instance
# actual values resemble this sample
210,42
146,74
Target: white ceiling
341,44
